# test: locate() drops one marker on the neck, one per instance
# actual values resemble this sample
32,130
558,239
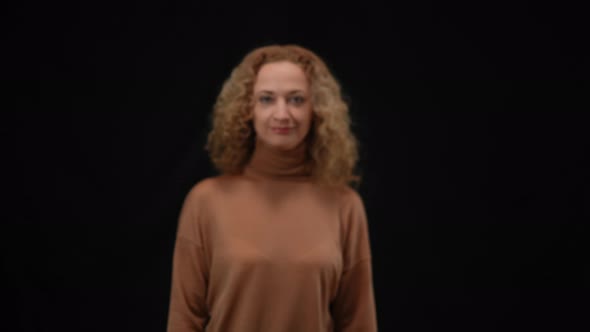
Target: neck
272,163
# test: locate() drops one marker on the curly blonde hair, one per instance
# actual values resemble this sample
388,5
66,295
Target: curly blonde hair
333,149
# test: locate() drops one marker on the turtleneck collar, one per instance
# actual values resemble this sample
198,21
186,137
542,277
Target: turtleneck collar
269,163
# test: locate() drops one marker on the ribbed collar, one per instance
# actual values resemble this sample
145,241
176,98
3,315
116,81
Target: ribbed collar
269,163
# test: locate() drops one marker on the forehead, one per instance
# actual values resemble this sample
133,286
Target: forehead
279,76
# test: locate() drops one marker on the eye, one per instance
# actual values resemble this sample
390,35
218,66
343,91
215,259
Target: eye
298,100
265,99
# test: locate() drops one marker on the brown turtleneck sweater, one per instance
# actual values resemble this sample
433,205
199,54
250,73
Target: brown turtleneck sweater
271,251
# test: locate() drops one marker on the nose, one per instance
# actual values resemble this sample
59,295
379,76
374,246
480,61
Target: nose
281,112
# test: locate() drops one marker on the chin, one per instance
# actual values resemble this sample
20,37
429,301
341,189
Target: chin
284,145
281,143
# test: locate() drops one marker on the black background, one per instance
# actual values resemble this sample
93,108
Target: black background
473,143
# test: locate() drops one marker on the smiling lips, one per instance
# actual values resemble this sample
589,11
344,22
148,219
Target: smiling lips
281,130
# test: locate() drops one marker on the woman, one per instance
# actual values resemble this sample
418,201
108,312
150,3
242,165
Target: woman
278,241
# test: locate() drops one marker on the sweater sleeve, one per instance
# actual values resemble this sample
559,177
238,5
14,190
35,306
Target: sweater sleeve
353,308
188,310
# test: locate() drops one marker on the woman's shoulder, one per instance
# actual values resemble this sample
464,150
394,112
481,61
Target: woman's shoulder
344,194
351,196
210,185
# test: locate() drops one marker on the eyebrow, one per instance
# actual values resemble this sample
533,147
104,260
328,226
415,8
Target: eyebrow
272,92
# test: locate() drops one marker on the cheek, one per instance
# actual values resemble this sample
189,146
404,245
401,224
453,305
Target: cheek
258,120
307,120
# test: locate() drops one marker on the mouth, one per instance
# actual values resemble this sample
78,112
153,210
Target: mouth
281,130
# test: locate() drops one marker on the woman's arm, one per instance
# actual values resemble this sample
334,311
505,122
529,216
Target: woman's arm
188,310
353,308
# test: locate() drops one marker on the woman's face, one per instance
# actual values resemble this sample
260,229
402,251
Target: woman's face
282,111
